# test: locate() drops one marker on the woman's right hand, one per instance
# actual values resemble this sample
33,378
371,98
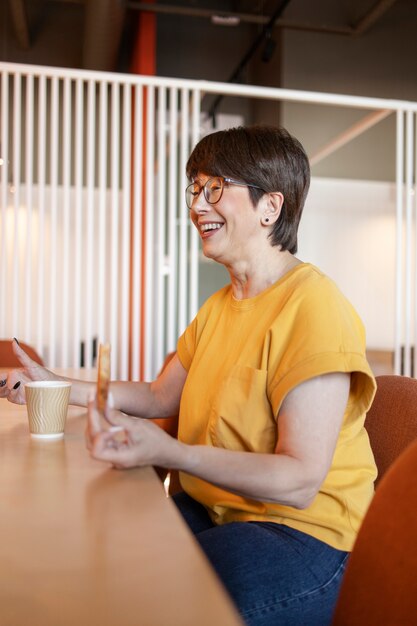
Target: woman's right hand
130,441
12,383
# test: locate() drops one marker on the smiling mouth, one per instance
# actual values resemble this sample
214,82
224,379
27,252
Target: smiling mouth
212,226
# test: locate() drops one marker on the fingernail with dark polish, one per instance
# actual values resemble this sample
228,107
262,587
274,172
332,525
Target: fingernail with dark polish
3,382
17,385
16,341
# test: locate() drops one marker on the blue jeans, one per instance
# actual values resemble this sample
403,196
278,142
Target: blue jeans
276,576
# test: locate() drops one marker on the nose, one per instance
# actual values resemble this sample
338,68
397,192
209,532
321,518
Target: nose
200,204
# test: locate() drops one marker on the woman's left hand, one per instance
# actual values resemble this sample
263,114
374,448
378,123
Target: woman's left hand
130,441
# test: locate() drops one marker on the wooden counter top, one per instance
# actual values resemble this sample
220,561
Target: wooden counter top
84,544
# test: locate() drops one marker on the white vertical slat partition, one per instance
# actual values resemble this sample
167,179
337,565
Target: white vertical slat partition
160,214
195,132
137,232
95,237
29,108
405,353
409,265
16,197
41,264
149,304
171,223
101,275
89,298
183,218
53,209
114,220
172,236
4,178
78,257
125,234
399,262
414,247
64,330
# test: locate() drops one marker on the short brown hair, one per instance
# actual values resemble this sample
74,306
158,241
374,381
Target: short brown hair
266,156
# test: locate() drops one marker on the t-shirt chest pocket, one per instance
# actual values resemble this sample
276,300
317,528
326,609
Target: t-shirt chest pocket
241,416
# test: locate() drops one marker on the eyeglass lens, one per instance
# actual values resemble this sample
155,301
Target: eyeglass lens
212,190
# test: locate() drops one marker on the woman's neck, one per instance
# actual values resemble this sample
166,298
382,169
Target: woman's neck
250,279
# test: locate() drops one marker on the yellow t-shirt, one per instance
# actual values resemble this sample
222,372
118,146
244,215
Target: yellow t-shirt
243,357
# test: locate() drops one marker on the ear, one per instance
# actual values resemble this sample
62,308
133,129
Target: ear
271,209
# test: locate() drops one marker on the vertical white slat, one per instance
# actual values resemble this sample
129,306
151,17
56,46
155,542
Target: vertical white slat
137,235
66,223
125,268
172,221
114,243
102,213
53,260
90,295
194,238
149,345
78,247
408,241
399,242
40,286
16,291
414,281
4,182
184,217
161,312
29,162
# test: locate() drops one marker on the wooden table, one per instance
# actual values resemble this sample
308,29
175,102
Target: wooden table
82,544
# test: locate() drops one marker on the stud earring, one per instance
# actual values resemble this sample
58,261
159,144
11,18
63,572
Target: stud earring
266,219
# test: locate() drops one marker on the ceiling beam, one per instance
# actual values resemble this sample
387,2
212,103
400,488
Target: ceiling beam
374,14
233,18
347,135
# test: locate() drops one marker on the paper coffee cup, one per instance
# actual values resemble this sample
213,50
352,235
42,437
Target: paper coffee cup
47,406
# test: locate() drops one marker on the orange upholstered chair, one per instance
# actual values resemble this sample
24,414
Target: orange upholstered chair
8,357
391,421
380,583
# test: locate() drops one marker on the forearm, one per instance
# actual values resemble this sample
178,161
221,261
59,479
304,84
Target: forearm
134,398
263,477
80,390
140,400
160,398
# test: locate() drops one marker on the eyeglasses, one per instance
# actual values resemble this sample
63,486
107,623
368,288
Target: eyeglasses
212,189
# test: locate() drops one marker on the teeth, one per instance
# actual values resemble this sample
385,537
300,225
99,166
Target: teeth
213,226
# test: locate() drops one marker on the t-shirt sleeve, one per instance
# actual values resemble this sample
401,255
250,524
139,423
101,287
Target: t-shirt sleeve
325,335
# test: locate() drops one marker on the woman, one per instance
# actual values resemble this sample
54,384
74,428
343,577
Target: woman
272,386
